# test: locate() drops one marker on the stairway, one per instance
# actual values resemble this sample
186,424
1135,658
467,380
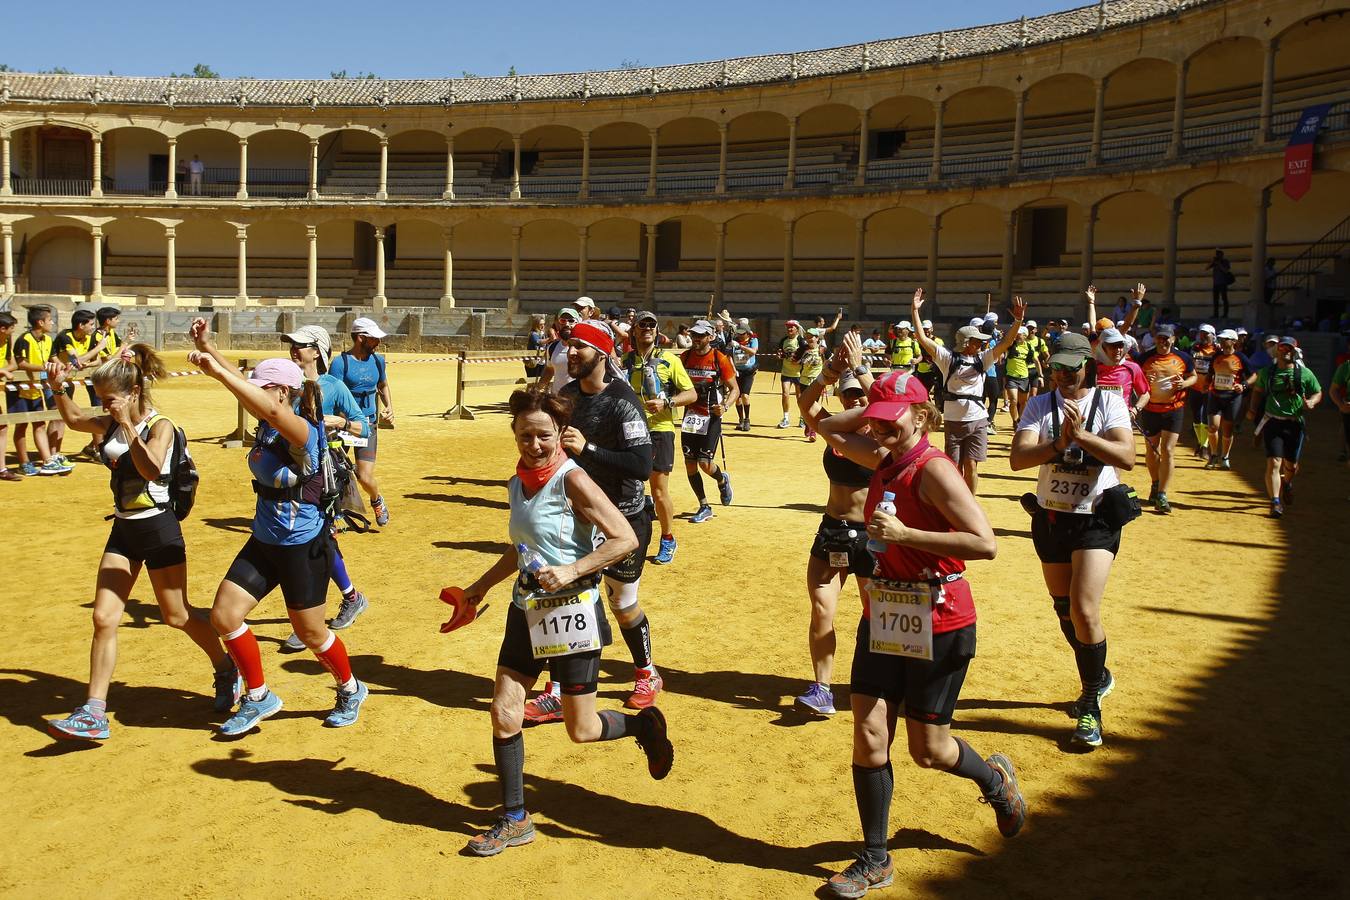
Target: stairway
361,290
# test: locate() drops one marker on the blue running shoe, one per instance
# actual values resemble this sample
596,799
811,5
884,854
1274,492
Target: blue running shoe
381,510
1088,732
250,713
29,469
667,551
818,699
724,489
1081,705
229,688
82,725
347,707
704,514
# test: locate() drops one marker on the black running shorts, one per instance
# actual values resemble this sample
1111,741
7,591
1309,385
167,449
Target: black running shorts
1152,423
1227,406
578,673
155,540
835,536
629,569
745,380
663,451
1056,535
1283,438
928,689
702,446
301,570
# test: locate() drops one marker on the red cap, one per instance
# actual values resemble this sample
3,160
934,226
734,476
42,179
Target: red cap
889,397
594,335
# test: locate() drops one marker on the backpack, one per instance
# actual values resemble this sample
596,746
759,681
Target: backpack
183,476
322,488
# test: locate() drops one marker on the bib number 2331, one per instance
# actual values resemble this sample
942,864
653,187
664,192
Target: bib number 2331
695,424
561,626
902,620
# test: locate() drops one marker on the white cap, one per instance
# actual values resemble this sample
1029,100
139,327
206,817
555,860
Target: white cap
1241,331
1087,325
1031,323
587,302
1228,334
928,323
978,322
1207,327
368,327
991,317
1022,330
906,325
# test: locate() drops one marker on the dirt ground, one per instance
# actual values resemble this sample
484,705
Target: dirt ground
1218,775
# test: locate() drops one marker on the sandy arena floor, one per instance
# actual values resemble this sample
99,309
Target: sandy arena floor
1218,777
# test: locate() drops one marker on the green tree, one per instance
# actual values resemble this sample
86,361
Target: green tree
200,70
55,70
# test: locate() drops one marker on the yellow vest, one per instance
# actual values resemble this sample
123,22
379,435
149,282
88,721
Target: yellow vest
36,351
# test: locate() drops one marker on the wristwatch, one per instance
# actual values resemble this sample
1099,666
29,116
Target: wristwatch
860,371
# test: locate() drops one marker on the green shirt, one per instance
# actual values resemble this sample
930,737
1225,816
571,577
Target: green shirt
1286,389
1020,355
671,379
1342,376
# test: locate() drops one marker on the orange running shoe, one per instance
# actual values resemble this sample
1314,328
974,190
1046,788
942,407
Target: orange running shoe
647,684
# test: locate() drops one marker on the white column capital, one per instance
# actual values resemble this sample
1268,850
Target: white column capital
719,228
379,232
6,229
173,141
312,232
97,138
96,231
241,232
861,225
790,225
650,231
583,230
384,141
243,141
723,127
170,231
515,140
515,232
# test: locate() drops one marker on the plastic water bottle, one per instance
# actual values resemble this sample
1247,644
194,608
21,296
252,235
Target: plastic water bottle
651,386
532,561
887,505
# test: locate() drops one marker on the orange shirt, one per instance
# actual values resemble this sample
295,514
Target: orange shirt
1230,369
1203,360
1159,370
707,370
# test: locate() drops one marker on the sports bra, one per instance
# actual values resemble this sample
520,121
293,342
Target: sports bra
844,471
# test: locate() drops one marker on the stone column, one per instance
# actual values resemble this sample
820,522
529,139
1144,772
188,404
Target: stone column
513,300
651,164
785,299
1258,273
931,278
790,180
313,192
583,257
935,171
859,262
585,191
96,189
312,271
448,297
649,289
1089,240
722,128
96,246
1170,256
860,177
242,193
449,192
6,189
1009,247
1098,121
170,266
719,261
382,192
1178,112
7,234
171,189
1019,126
241,299
379,302
1267,91
515,167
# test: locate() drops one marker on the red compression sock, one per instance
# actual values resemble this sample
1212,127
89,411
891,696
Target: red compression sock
333,655
243,649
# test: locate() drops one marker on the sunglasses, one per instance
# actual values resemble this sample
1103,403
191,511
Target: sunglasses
646,324
1068,370
305,346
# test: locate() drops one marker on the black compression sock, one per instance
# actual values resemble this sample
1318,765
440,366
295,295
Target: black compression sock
615,725
1091,659
970,765
1065,622
638,637
745,413
696,482
509,755
872,789
716,475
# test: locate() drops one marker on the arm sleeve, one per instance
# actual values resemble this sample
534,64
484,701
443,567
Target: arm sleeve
21,349
338,368
634,458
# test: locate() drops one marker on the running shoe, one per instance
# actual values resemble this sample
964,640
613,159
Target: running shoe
1226,464
82,725
1276,509
810,437
1010,809
657,746
28,469
349,610
704,514
646,685
7,475
54,466
666,553
347,707
381,510
861,877
801,423
1080,706
818,699
1160,503
1152,491
543,709
506,833
1287,493
292,644
64,460
993,429
784,423
724,489
1213,462
1088,731
229,687
250,713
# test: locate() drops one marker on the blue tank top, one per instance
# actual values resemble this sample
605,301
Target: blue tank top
276,463
362,376
547,524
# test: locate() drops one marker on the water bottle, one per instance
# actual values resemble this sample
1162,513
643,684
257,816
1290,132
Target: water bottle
531,561
651,385
887,505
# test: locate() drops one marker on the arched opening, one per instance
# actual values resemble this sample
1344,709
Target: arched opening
822,261
278,164
620,157
483,163
977,133
51,161
616,251
827,145
1223,96
752,273
686,249
1137,111
757,145
1048,252
207,259
482,252
1057,126
339,244
550,162
1310,68
549,254
901,142
278,262
687,156
1215,216
895,261
349,163
970,257
415,271
53,255
417,164
209,158
1128,246
134,260
135,162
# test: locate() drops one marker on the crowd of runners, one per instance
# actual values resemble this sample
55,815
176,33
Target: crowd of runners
595,434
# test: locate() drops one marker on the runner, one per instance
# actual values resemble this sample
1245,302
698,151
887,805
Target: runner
840,546
1231,371
711,372
1340,395
904,350
1169,373
745,352
31,352
1284,393
554,375
1078,437
1197,399
290,546
965,425
1041,348
7,367
363,371
1019,369
1115,371
138,447
555,508
811,359
608,438
791,370
661,382
917,633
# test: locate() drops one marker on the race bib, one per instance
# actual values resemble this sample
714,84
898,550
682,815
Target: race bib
1202,365
1067,488
562,626
839,559
901,619
1224,382
1118,389
352,440
695,423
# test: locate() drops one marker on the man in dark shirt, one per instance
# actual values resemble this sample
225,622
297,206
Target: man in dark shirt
609,439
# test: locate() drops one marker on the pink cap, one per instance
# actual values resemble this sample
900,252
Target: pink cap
890,396
277,371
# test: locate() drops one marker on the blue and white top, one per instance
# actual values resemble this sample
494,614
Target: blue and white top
338,401
361,376
547,524
276,463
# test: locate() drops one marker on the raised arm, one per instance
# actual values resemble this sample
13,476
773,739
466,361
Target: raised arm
928,344
1019,312
72,414
256,401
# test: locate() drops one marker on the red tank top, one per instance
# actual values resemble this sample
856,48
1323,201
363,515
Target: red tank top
901,478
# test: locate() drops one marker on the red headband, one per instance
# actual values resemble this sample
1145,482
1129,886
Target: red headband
594,335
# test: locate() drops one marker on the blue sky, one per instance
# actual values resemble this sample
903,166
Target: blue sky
426,39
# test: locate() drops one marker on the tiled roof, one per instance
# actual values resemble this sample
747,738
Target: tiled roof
749,70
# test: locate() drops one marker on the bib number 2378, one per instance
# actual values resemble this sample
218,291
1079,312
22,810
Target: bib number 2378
902,621
561,626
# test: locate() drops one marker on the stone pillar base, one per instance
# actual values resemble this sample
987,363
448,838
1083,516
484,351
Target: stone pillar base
477,330
241,195
170,195
381,195
447,303
241,301
379,303
515,193
311,195
447,195
170,301
311,302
